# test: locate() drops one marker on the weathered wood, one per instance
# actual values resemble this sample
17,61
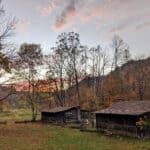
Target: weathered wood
3,122
125,130
62,115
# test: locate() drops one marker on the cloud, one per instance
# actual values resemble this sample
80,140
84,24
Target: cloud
131,21
66,15
121,25
84,11
23,26
143,25
48,9
119,13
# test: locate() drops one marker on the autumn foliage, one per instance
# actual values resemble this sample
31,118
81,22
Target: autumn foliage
128,82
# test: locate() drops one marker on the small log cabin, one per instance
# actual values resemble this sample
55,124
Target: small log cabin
122,116
62,114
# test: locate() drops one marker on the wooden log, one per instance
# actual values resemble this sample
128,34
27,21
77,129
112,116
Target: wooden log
23,121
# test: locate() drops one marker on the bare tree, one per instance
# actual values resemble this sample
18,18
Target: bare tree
85,61
7,26
121,52
99,63
55,75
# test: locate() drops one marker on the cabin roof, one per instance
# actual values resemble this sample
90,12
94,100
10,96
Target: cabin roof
58,109
127,108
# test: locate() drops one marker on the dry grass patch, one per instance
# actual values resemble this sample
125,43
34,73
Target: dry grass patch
38,136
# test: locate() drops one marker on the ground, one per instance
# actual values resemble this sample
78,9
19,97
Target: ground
38,136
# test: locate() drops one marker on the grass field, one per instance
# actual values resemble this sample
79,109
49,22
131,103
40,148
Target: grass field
22,114
37,136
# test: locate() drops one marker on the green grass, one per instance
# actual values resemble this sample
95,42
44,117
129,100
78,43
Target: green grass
21,114
38,136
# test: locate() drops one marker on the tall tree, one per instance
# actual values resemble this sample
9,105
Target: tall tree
75,53
30,56
99,63
68,55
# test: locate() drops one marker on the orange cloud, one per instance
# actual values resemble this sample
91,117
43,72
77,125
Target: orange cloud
48,9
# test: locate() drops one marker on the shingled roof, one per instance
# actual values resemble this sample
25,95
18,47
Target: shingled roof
127,108
57,109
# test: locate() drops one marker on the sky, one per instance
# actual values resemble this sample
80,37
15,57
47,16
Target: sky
97,21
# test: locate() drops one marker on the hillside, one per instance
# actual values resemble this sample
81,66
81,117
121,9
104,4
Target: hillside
130,82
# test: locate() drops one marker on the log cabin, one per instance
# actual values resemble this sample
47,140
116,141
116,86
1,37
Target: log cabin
122,116
62,114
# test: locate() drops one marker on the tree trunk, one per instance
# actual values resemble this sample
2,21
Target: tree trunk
79,98
34,114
